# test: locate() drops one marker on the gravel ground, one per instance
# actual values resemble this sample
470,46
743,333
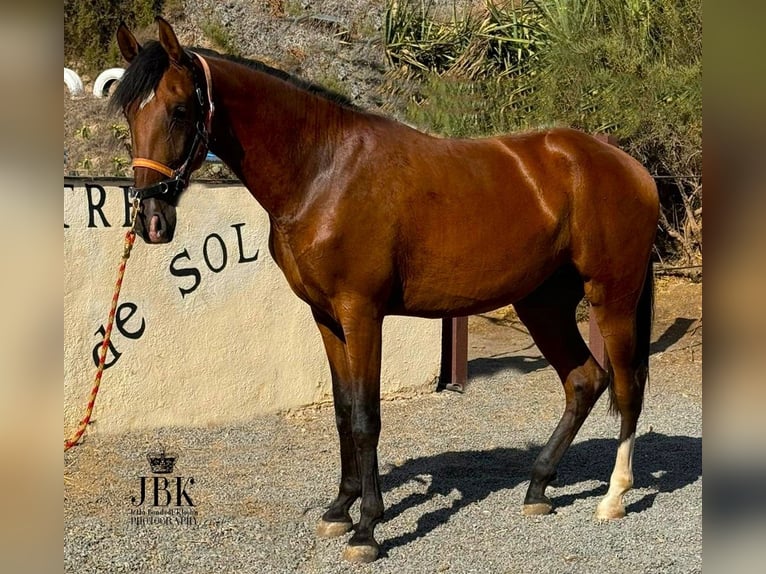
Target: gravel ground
454,471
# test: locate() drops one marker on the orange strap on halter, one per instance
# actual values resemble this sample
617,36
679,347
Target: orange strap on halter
155,165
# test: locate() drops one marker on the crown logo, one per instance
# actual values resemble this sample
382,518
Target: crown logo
160,462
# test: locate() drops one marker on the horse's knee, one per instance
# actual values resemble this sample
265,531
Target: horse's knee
365,428
343,420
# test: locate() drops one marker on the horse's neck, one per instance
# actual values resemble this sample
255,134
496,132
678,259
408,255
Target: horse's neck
275,136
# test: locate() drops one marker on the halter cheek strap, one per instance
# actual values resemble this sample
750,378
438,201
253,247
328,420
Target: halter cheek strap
209,90
179,178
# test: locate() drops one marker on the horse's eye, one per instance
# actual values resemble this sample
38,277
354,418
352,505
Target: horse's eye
179,111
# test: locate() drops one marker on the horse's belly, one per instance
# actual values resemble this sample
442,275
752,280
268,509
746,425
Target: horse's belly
476,280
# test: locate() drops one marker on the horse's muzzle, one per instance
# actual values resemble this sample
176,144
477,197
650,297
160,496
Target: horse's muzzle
156,222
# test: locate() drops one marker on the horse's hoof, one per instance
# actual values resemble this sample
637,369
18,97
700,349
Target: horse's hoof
327,529
360,554
610,512
537,509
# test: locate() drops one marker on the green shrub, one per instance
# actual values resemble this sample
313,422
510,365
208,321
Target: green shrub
221,37
474,44
90,27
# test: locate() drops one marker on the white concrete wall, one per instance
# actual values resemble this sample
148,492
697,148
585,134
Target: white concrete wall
237,345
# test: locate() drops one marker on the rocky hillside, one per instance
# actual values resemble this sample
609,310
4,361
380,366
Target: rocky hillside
335,43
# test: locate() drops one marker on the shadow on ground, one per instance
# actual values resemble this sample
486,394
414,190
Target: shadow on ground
525,364
674,333
500,363
662,463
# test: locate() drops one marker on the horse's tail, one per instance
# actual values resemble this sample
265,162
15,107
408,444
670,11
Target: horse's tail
644,320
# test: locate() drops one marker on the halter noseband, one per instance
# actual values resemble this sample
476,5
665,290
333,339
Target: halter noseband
170,189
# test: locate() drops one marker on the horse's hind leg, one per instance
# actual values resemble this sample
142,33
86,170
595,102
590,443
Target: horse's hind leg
626,327
618,330
550,315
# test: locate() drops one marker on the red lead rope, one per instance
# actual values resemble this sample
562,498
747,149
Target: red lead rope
130,238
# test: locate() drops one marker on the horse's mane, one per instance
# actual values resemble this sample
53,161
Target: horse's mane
147,68
296,81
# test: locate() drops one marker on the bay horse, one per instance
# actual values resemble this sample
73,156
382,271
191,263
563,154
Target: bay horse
370,217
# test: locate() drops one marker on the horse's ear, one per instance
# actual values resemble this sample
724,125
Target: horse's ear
169,42
129,46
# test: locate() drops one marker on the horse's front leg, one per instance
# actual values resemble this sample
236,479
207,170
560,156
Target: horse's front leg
362,329
336,521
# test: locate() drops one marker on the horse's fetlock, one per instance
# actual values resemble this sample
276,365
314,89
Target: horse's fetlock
543,472
350,487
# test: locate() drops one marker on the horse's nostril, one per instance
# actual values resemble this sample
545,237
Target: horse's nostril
155,228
